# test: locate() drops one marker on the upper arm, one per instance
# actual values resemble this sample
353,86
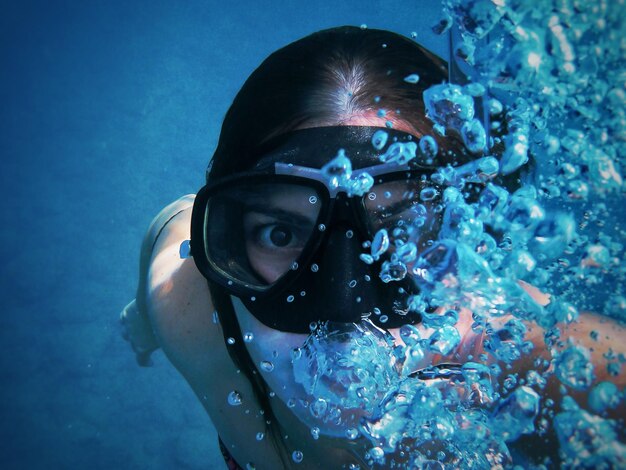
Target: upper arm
137,327
176,294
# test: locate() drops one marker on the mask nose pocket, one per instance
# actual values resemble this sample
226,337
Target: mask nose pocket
347,290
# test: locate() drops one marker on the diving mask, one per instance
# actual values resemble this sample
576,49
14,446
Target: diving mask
287,239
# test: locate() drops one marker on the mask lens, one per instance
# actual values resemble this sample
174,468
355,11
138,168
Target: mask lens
410,208
255,232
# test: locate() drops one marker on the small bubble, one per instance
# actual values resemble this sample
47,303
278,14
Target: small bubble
290,298
315,432
296,354
248,337
321,227
352,433
379,139
318,408
185,249
363,26
253,298
302,293
428,194
376,453
352,283
367,259
260,436
367,278
267,366
413,78
216,318
230,283
297,456
234,398
231,340
315,268
313,199
371,196
384,318
294,266
349,234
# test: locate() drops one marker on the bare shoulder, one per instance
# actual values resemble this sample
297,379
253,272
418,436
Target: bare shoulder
181,312
178,300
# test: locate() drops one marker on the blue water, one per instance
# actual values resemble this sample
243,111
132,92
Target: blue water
109,112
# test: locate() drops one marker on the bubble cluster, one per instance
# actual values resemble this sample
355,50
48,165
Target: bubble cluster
542,115
338,174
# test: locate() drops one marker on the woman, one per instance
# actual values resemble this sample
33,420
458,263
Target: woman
272,267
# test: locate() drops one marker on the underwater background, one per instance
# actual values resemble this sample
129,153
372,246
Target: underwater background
109,111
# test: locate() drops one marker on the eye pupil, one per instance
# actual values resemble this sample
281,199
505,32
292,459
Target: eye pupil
280,237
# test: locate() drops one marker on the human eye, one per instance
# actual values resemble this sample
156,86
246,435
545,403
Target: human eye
274,241
276,236
276,231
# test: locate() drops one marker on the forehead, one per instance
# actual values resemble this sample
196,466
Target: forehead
314,147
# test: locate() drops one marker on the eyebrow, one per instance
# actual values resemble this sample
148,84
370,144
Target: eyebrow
280,214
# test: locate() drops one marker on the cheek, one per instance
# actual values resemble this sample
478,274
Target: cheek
270,267
266,270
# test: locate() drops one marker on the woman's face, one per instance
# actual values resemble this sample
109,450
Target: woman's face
275,235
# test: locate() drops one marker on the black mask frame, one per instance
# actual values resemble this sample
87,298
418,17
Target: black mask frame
269,303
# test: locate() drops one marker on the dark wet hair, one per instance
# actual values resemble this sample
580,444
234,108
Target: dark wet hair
323,79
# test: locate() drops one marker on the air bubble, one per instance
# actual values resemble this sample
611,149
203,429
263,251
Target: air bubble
297,456
267,366
185,249
367,259
234,398
413,78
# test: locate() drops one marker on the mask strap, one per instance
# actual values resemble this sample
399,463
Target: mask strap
242,360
